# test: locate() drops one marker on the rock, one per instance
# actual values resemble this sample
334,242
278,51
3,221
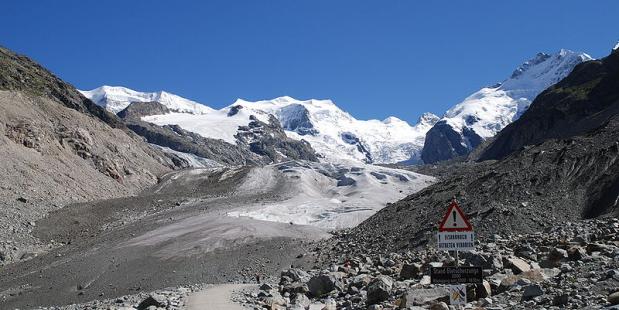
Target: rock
531,291
301,300
534,276
613,298
518,265
22,199
153,300
410,271
266,287
296,275
379,289
439,306
483,290
560,300
360,280
420,296
576,253
322,284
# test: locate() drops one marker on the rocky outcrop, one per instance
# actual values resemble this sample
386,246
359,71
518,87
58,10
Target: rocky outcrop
137,110
444,143
269,140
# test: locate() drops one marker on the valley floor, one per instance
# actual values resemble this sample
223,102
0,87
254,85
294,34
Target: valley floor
180,233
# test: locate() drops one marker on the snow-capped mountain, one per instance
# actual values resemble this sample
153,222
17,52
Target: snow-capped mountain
333,133
337,135
484,113
116,98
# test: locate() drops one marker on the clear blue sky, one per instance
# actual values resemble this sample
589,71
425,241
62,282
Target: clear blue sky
373,58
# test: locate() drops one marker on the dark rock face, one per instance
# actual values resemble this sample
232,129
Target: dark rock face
444,143
295,117
583,101
269,140
136,110
352,139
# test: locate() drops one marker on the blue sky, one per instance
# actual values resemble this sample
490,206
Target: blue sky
373,58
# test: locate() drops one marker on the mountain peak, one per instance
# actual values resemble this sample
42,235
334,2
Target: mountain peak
428,118
117,98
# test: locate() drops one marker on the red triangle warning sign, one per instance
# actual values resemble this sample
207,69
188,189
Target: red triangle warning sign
455,220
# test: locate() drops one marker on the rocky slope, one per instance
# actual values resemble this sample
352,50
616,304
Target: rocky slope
57,148
572,266
484,113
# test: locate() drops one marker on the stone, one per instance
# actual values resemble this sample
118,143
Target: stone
379,289
301,300
560,300
22,199
410,271
296,275
266,287
518,265
153,300
576,253
420,296
322,284
532,291
483,290
439,306
613,298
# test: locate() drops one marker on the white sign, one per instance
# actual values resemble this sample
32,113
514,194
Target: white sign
457,294
456,241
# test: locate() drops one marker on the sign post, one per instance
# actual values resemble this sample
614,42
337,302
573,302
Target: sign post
455,233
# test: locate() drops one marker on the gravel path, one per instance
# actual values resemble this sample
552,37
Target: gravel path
217,297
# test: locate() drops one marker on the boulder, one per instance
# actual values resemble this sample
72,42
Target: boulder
613,298
483,290
296,275
576,253
518,265
410,271
301,300
154,300
532,291
323,284
420,296
379,289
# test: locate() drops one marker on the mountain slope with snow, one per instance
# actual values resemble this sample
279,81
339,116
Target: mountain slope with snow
117,98
484,113
334,134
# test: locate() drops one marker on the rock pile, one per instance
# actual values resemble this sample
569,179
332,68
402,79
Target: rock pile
574,266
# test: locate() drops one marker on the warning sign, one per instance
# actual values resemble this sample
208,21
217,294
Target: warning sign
455,220
456,241
457,294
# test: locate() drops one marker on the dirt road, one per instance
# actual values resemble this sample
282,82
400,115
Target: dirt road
218,297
